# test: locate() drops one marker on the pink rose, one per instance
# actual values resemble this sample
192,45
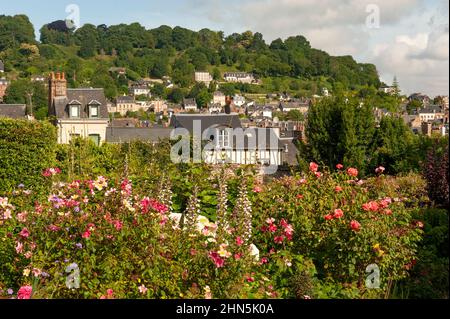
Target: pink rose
257,189
239,241
24,292
338,189
339,166
24,233
380,170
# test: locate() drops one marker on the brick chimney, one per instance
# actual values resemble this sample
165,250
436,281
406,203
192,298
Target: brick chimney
57,86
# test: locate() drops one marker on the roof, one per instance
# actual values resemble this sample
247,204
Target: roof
206,120
84,97
238,74
129,134
15,111
125,99
189,102
431,109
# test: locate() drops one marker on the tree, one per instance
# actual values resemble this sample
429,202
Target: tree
396,86
217,76
15,30
57,32
340,130
176,95
413,106
295,115
19,92
158,90
87,38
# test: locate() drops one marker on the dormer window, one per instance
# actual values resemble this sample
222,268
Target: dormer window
93,111
74,111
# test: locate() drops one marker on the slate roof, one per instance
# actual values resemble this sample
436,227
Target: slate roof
15,111
206,120
431,109
129,134
125,99
84,97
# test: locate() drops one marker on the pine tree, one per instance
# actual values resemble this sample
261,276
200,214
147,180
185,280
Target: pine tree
396,86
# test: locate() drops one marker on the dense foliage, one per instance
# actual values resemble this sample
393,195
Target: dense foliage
309,235
26,150
87,53
344,130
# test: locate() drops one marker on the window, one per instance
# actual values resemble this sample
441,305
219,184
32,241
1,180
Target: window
95,138
93,111
224,138
74,111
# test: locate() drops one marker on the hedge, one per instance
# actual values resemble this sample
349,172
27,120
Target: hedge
26,149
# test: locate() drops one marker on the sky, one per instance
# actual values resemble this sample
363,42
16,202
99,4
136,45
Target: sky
404,38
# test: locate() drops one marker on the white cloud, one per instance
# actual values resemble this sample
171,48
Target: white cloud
412,41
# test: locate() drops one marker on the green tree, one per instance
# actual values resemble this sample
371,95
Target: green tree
87,38
15,30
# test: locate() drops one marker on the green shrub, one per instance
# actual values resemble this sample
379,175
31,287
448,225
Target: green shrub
27,148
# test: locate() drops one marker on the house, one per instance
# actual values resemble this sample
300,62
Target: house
422,98
413,121
125,104
4,83
387,89
239,77
215,108
118,70
442,100
219,98
159,106
139,90
301,105
203,77
238,100
79,112
189,105
2,67
229,142
14,111
38,78
431,113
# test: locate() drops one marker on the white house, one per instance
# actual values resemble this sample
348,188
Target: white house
239,77
238,100
203,77
431,113
190,105
219,98
228,142
139,89
78,112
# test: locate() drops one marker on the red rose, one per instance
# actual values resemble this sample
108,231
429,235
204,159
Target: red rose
313,167
354,225
338,213
328,217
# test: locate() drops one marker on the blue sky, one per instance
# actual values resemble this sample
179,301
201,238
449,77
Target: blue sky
411,41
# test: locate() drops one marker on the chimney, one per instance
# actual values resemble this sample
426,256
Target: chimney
57,86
